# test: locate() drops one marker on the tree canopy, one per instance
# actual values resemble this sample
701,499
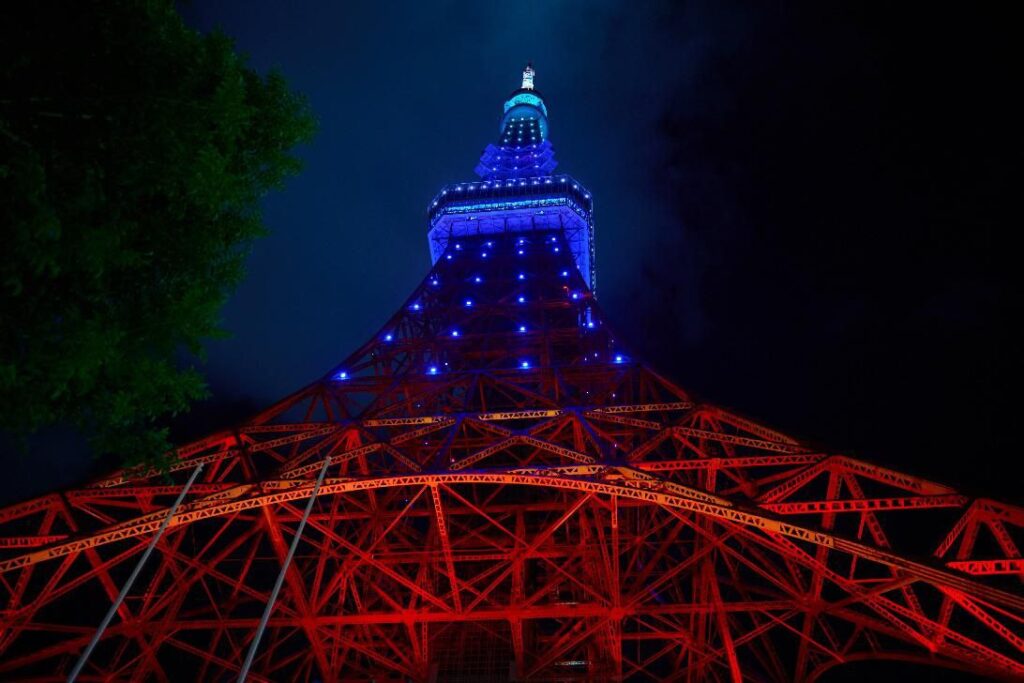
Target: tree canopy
134,152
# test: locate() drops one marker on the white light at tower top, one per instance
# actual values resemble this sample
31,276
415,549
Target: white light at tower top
528,74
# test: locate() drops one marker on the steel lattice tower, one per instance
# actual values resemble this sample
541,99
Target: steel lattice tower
494,488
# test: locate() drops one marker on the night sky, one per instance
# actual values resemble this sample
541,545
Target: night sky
803,212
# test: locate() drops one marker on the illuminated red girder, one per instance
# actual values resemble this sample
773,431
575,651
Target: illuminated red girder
541,507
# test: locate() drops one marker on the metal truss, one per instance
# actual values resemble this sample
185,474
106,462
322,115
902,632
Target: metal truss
508,495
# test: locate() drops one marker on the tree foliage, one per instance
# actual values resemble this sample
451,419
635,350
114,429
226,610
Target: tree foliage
133,155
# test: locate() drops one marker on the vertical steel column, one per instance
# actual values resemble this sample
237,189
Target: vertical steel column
255,644
131,579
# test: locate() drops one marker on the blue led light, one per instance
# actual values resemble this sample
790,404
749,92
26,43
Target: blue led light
556,250
483,254
458,246
416,307
435,282
590,324
522,328
449,257
521,299
478,279
432,370
455,333
618,358
521,252
388,337
525,365
342,375
565,273
575,295
468,303
522,276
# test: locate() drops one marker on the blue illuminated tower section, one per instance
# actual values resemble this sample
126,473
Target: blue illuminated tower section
518,192
510,294
525,150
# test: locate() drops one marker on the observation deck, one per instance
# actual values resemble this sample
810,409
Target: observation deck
523,205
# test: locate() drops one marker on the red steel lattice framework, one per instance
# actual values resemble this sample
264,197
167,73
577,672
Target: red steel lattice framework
509,495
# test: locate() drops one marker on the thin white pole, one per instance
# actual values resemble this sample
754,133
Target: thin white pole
255,644
131,579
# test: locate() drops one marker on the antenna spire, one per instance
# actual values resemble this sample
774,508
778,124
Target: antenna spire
528,74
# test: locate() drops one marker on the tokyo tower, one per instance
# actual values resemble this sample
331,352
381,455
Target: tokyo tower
495,488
